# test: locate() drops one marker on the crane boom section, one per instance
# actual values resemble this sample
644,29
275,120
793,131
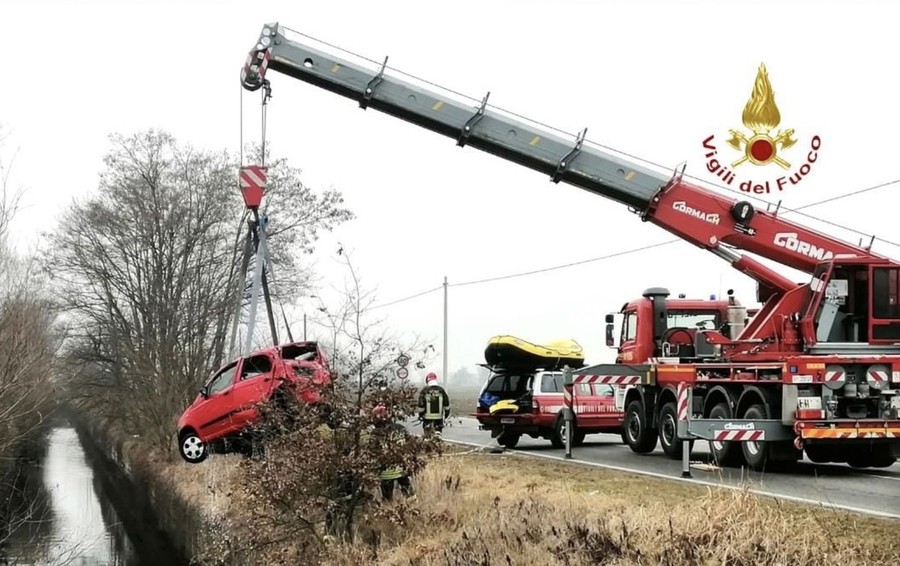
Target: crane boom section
707,219
698,215
586,167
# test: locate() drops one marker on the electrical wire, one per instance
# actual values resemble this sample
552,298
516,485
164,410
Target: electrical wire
591,142
618,254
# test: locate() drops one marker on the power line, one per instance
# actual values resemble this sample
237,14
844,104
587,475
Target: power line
404,299
622,253
535,271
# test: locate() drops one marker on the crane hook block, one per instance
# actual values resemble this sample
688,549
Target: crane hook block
253,185
470,123
567,160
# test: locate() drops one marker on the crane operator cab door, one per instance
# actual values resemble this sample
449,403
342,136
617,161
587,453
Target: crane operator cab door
852,302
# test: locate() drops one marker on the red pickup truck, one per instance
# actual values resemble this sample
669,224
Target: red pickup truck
226,405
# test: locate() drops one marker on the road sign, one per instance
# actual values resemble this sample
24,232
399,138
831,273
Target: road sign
402,373
402,360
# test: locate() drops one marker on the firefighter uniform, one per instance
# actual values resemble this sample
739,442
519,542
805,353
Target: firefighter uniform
434,404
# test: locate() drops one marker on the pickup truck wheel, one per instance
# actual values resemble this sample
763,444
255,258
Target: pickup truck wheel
508,439
724,454
558,435
638,434
668,432
192,449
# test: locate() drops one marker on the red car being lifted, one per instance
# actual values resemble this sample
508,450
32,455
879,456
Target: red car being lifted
227,405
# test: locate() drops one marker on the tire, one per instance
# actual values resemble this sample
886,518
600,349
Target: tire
668,432
508,439
578,438
724,454
558,437
756,454
638,434
872,457
192,449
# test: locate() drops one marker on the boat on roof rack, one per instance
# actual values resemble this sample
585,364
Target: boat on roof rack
506,351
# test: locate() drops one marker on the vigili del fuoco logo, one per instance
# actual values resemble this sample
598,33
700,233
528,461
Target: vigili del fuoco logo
761,147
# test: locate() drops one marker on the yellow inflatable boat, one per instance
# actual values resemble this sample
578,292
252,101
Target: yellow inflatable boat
509,351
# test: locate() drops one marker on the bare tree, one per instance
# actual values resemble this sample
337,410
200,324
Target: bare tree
28,346
147,267
322,462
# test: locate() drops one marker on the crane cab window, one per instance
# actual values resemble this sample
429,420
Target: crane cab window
886,303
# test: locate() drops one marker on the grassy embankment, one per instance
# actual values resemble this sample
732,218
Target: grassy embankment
473,508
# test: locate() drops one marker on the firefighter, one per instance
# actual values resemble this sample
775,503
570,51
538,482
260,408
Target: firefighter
434,405
392,474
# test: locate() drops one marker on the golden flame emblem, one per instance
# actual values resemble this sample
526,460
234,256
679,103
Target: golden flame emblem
761,116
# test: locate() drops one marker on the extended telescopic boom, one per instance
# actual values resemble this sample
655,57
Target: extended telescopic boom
699,216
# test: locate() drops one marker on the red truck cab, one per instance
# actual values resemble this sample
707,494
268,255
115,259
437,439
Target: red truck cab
636,342
227,405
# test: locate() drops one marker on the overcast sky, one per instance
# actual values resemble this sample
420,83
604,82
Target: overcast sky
652,79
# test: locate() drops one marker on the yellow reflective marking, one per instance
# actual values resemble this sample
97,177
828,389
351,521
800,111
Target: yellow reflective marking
629,176
336,68
535,140
438,105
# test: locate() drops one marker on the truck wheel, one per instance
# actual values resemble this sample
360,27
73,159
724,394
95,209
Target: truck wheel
871,457
756,454
638,434
508,439
724,454
668,432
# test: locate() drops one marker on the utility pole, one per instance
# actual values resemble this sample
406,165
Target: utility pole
444,375
304,327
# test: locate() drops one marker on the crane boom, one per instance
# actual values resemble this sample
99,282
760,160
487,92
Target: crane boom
695,214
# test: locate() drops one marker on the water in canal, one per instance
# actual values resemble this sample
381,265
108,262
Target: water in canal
72,519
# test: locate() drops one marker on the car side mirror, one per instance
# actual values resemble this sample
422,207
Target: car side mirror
204,391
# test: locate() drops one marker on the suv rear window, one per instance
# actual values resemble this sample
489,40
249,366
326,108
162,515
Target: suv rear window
503,383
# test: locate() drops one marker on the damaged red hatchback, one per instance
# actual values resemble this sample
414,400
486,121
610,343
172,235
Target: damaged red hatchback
227,405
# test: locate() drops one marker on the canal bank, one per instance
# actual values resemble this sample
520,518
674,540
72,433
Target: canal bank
159,516
75,506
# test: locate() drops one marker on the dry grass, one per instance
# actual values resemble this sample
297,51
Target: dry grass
480,509
474,508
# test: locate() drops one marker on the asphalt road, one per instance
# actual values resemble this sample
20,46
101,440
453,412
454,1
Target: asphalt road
872,492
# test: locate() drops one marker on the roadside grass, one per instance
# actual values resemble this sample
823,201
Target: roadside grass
482,509
473,508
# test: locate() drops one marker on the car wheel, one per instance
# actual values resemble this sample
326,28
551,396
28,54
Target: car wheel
508,440
192,449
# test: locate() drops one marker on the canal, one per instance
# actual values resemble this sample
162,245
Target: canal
74,507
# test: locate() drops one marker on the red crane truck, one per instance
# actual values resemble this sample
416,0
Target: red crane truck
817,369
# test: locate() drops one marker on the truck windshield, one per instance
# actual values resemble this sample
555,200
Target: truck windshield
694,319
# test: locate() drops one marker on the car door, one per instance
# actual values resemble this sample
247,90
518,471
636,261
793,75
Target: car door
215,408
252,386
